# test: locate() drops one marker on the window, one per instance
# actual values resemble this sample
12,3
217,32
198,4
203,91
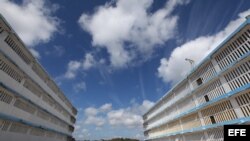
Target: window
19,128
206,98
1,29
25,106
37,132
19,51
212,119
10,69
199,81
5,96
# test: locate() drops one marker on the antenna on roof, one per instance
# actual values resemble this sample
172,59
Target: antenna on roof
190,61
247,17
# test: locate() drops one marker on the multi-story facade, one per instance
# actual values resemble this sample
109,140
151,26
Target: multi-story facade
32,107
216,92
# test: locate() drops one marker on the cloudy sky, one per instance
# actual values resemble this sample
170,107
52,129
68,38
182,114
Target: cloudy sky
115,58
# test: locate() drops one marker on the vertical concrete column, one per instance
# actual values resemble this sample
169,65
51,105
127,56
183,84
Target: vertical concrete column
195,100
23,81
14,100
3,35
174,96
29,130
164,130
180,122
8,128
176,106
224,84
183,137
165,114
206,135
221,77
236,107
201,118
178,111
215,65
1,29
193,95
190,84
31,64
203,124
35,113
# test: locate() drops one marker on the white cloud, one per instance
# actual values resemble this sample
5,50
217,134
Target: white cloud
56,50
81,133
98,121
129,117
146,105
175,67
139,136
91,111
124,117
80,87
106,107
130,30
88,62
92,116
35,53
73,67
107,118
32,20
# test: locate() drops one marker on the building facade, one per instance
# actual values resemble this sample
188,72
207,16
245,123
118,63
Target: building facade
32,107
216,92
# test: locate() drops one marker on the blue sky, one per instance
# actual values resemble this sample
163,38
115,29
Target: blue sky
114,59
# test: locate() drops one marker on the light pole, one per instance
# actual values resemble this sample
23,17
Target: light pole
247,17
190,61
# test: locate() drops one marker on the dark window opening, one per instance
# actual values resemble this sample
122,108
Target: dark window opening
206,98
199,81
212,119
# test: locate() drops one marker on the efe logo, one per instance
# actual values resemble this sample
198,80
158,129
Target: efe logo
236,132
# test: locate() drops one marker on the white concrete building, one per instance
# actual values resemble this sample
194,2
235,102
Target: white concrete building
216,92
32,107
